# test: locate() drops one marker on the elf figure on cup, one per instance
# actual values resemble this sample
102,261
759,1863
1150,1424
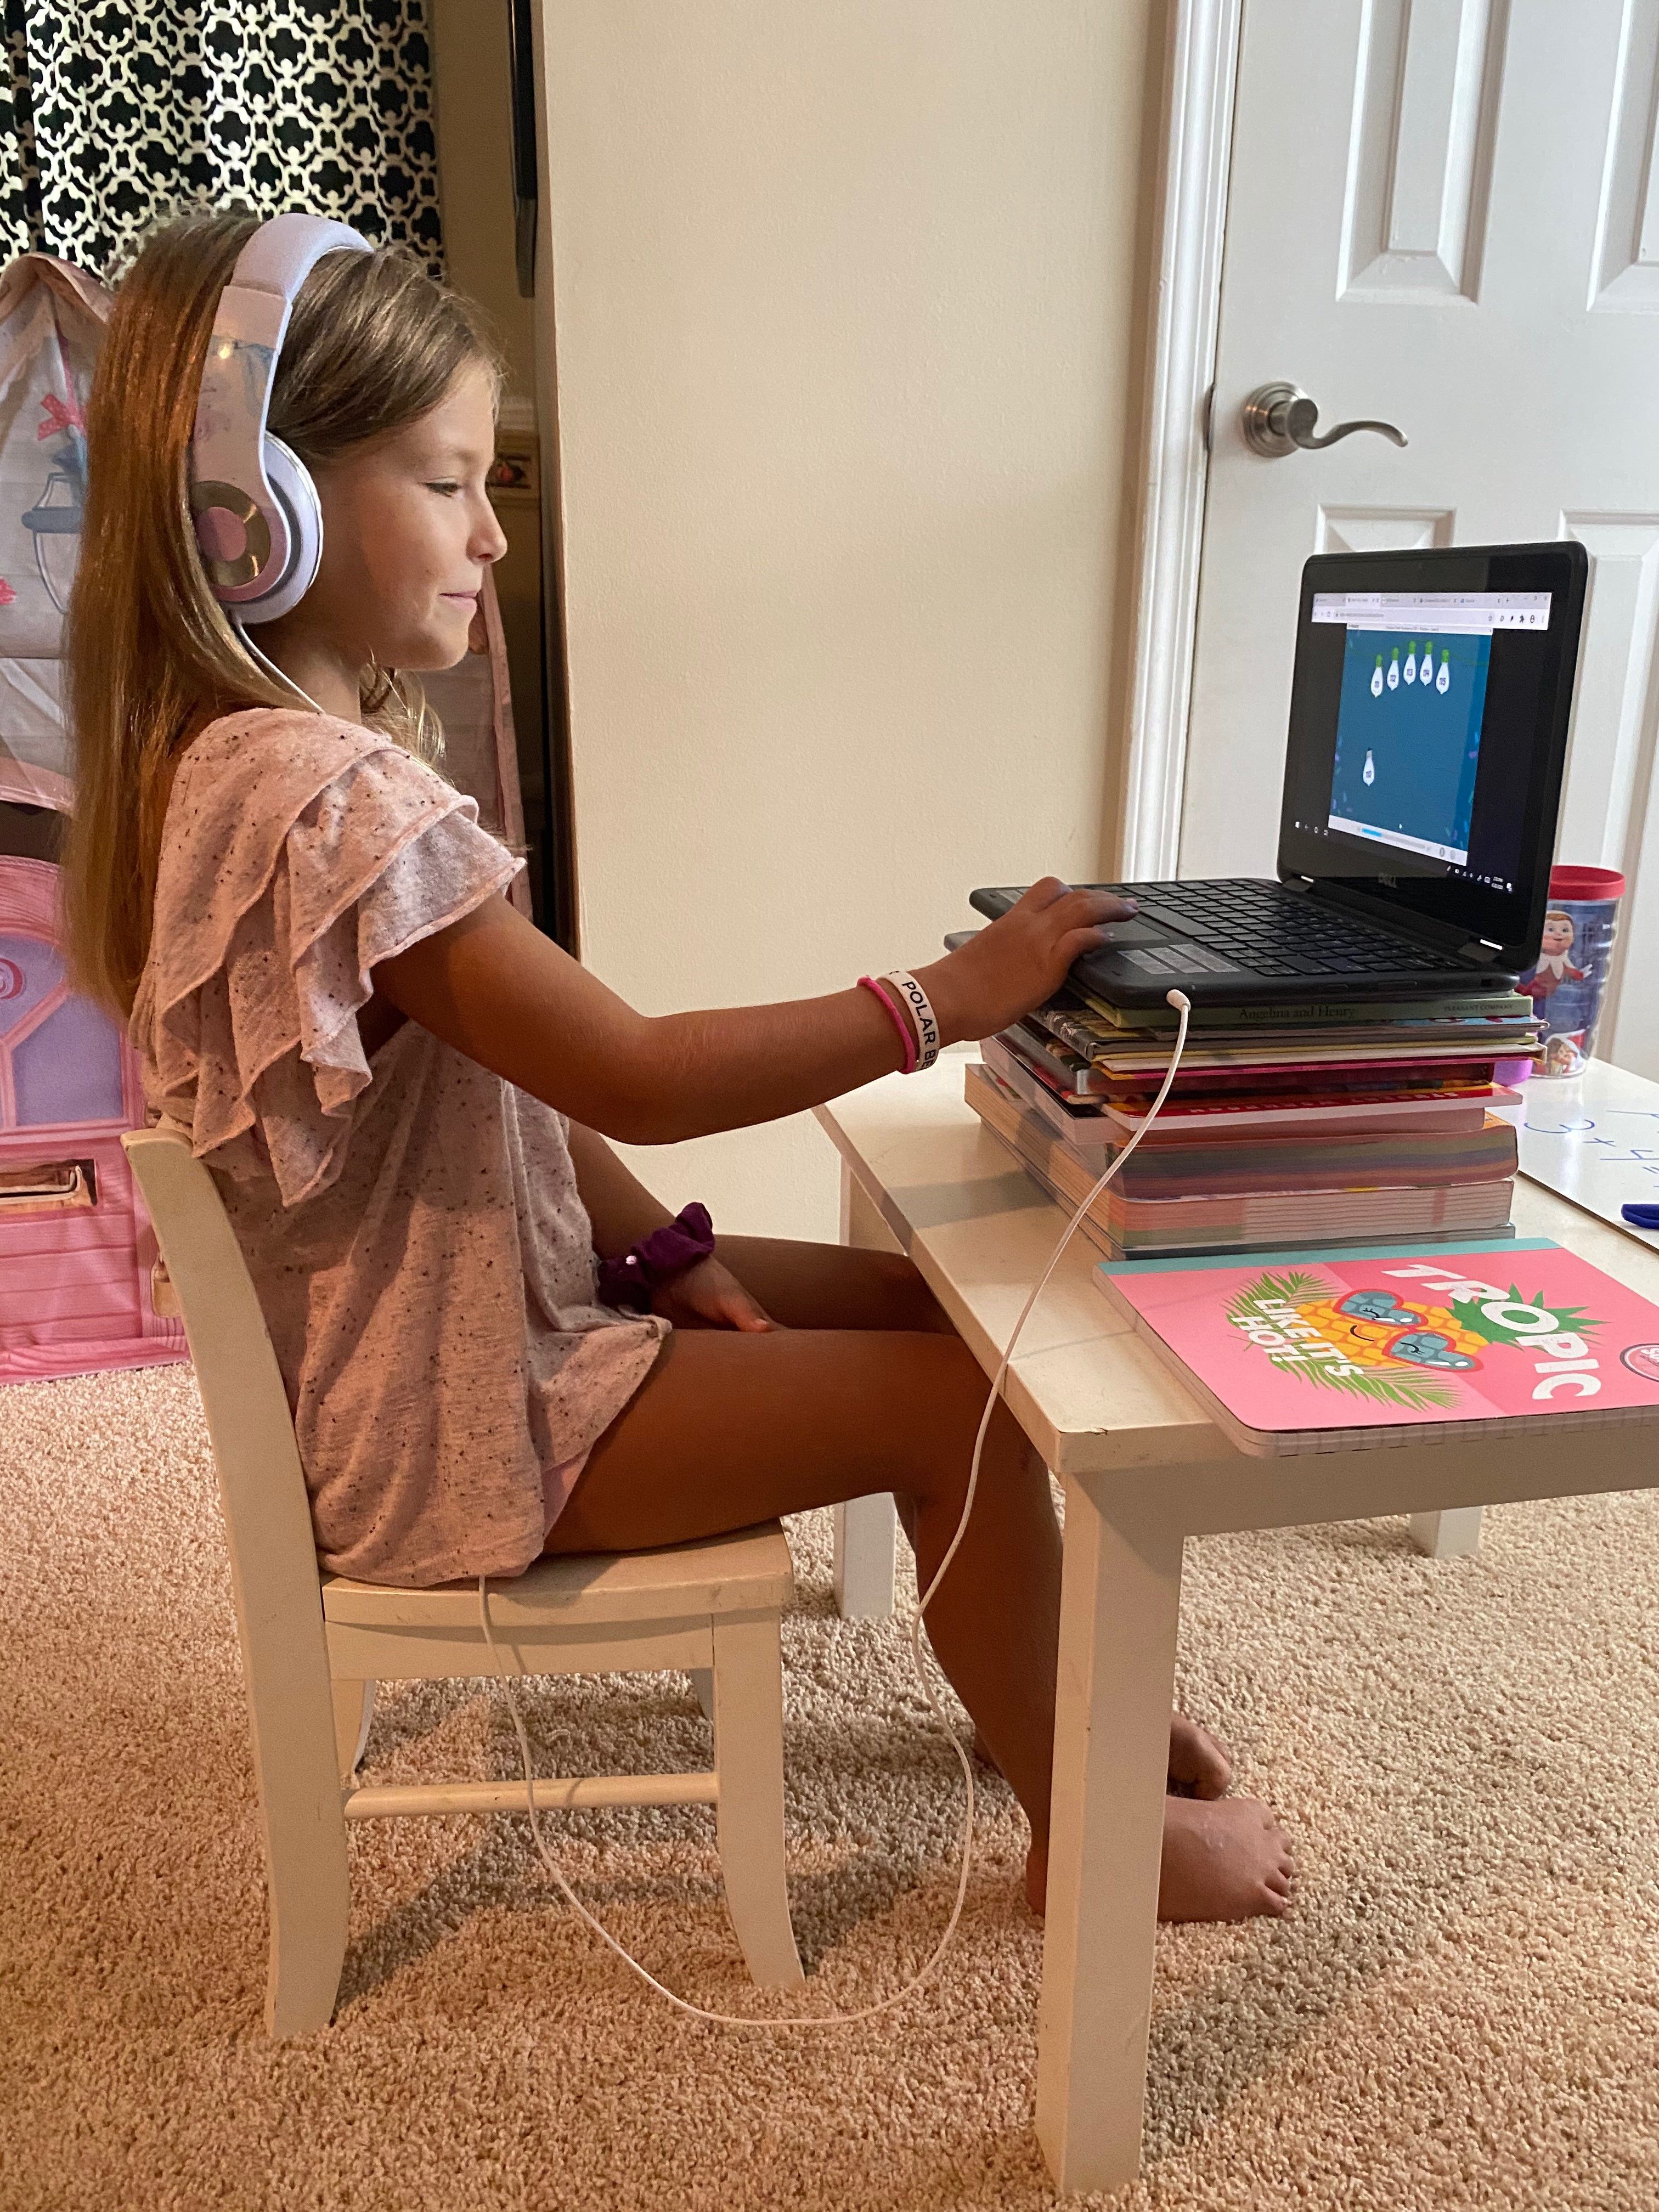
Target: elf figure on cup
1554,960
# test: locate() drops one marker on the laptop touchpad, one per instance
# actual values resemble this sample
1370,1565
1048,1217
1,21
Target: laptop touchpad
1123,936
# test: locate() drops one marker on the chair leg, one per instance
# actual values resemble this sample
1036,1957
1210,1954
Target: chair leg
354,1709
308,1880
748,1762
308,1915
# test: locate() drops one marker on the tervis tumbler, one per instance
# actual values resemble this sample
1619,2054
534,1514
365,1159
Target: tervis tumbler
1567,985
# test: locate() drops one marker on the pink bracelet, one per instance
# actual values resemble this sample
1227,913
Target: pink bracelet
907,1034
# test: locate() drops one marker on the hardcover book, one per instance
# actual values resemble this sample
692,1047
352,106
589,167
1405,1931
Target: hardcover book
1506,1007
1310,1350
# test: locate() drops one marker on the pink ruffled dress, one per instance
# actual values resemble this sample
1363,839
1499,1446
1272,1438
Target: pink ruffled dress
411,1222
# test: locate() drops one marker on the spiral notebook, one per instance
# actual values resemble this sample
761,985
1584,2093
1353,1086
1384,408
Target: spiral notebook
1320,1350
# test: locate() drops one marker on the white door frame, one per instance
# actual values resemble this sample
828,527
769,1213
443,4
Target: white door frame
1201,67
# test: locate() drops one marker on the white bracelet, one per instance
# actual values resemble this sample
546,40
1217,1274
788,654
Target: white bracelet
920,1008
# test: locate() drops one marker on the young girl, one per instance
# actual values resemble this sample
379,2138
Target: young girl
405,1091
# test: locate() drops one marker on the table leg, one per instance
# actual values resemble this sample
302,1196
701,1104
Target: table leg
866,1528
1119,1610
1454,1534
867,1554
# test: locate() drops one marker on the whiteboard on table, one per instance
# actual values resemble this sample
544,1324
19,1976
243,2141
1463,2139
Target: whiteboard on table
1593,1139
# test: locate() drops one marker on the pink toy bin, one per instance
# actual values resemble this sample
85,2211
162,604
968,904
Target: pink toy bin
77,1254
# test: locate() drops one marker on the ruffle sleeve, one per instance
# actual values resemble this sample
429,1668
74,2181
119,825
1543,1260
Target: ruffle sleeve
298,853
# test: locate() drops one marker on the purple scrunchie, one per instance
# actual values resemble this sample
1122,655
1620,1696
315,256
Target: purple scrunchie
628,1283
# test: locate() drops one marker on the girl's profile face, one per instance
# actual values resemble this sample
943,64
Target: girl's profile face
408,533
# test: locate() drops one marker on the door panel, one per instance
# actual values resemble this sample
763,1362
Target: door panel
1420,134
1607,753
1626,255
1381,529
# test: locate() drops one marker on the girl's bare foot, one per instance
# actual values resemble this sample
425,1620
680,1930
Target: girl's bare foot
1226,1859
1198,1766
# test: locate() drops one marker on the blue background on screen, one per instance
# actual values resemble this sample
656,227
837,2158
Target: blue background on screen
1422,742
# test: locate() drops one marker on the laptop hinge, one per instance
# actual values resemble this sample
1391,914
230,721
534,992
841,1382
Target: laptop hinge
1444,937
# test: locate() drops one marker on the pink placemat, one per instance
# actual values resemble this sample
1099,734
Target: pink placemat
1307,1351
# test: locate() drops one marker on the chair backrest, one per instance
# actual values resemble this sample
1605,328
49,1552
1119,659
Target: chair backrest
262,1489
261,1485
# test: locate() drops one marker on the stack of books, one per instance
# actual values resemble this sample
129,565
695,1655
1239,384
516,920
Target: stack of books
1300,1124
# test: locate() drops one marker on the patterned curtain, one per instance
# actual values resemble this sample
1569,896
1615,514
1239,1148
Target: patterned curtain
115,114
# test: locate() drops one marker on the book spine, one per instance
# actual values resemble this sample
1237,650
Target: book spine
1075,1034
1308,1086
1417,1110
1337,1013
1070,1070
1079,1126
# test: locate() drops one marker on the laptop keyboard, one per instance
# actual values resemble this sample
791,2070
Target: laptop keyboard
1258,928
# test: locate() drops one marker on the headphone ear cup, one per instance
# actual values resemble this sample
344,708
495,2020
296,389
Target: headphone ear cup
289,478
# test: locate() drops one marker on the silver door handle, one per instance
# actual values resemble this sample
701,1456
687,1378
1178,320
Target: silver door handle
1279,418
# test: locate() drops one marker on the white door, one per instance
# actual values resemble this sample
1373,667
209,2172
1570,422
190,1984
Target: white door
1444,214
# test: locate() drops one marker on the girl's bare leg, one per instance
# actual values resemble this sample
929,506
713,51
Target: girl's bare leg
732,1429
867,1388
830,1286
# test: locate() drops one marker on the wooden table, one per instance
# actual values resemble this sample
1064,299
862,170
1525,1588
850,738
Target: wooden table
1144,1469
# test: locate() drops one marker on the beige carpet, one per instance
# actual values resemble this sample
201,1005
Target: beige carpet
1464,2009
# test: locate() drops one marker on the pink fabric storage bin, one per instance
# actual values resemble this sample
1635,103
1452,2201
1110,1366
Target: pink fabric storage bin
78,1255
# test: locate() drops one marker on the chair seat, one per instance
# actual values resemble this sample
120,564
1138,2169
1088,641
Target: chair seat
747,1571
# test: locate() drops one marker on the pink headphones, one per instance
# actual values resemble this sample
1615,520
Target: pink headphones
257,520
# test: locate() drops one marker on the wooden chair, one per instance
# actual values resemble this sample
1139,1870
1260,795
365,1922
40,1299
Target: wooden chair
313,1645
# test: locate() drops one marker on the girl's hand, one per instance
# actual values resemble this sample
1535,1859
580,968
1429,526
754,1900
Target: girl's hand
1020,960
709,1296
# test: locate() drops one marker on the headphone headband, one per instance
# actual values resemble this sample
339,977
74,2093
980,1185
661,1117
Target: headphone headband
257,520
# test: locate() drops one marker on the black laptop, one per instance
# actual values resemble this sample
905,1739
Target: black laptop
1429,719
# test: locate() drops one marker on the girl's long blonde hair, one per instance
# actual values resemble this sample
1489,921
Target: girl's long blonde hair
373,344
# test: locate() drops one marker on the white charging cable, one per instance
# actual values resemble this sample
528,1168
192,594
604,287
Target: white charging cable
1183,1005
263,660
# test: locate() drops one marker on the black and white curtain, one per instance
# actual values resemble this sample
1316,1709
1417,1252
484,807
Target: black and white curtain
115,114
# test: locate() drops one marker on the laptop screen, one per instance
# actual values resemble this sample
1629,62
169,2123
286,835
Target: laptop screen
1428,729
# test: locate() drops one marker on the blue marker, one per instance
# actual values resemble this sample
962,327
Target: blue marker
1641,1216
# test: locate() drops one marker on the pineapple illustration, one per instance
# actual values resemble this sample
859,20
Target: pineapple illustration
1387,1348
1373,1328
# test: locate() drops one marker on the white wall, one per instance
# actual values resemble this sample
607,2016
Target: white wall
842,302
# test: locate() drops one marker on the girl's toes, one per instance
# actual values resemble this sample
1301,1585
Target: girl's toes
1198,1766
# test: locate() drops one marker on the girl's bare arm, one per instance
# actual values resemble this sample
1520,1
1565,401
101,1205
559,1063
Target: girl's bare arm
619,1206
493,987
